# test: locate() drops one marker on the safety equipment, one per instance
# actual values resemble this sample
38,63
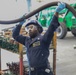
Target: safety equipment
61,6
22,22
36,23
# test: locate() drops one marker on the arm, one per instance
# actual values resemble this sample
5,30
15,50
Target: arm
53,25
50,32
16,35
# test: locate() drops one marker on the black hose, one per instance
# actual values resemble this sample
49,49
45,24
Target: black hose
38,10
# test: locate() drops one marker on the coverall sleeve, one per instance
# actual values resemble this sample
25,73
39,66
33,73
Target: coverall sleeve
47,37
16,35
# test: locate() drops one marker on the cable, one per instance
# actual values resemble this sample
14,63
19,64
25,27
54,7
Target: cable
38,10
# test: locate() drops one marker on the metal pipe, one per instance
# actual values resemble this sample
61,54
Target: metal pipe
54,53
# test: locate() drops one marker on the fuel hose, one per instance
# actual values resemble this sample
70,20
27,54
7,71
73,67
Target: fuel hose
38,10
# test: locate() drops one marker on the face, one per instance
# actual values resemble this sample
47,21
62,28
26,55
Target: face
32,30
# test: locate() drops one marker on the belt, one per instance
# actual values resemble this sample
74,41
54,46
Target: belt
32,68
45,69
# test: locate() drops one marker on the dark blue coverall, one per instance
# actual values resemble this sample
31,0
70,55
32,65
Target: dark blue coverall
38,48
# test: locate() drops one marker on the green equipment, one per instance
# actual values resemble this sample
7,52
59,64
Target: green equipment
66,19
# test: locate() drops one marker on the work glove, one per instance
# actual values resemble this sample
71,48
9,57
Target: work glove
22,22
61,6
